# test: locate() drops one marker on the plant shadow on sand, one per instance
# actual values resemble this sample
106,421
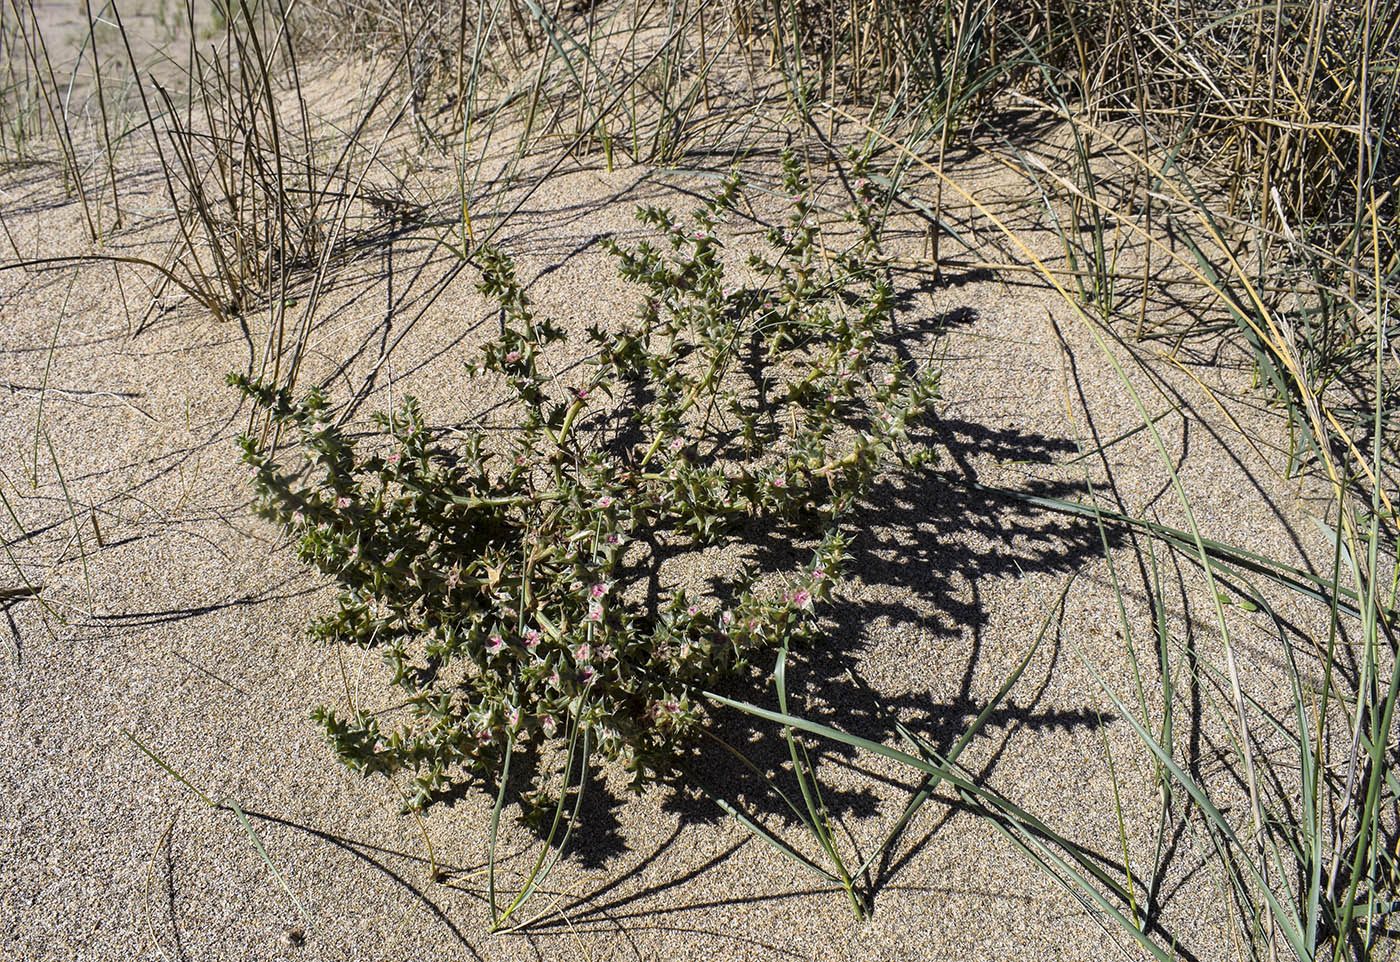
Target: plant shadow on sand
950,534
928,542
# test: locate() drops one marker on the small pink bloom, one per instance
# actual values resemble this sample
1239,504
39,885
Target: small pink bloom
496,644
583,652
595,612
581,393
342,503
588,673
727,618
613,540
780,481
549,725
485,737
606,653
605,501
298,517
394,458
597,591
693,610
512,357
802,598
818,573
677,444
554,678
512,716
532,638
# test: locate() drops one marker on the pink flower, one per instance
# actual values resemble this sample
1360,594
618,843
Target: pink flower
818,573
342,503
598,590
496,644
889,378
677,444
554,678
802,598
512,357
581,393
298,517
605,501
393,458
595,612
727,618
532,638
693,610
549,725
583,652
588,673
512,716
780,481
606,653
613,540
485,737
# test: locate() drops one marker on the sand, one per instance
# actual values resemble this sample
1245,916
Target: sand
183,628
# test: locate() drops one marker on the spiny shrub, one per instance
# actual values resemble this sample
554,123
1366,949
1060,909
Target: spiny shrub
516,587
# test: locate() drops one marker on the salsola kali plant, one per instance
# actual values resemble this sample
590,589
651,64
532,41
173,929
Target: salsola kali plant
515,588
